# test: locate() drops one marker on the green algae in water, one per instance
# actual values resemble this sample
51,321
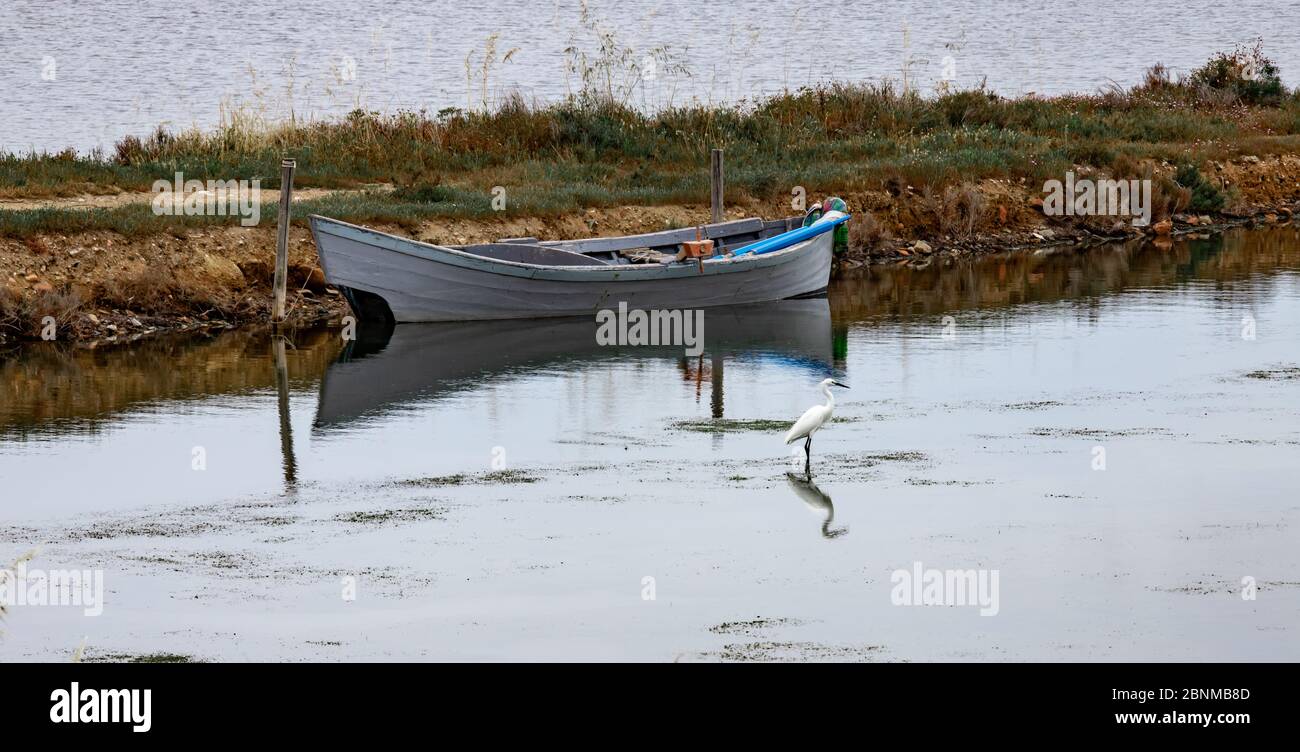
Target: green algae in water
464,479
1287,373
382,516
143,658
736,425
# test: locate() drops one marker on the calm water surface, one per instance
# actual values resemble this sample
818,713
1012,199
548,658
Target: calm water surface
116,71
981,394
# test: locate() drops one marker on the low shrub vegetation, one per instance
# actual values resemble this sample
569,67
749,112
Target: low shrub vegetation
592,149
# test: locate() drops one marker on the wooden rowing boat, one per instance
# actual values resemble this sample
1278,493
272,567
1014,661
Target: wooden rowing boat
390,277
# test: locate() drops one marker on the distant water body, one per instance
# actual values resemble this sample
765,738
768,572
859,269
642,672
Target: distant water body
84,74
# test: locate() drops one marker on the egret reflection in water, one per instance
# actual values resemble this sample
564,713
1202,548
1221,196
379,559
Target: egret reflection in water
817,501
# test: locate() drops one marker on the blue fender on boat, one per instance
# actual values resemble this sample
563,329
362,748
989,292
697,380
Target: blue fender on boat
828,222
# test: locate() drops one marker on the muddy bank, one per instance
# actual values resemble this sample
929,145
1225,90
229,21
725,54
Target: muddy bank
102,287
910,226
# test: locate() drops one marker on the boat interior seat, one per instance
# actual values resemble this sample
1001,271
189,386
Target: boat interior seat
529,253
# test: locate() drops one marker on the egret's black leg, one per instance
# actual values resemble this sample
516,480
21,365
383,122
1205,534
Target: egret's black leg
807,453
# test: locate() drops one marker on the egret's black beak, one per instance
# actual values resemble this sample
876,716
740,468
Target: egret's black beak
836,383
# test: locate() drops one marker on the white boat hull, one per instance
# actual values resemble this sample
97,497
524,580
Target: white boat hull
421,282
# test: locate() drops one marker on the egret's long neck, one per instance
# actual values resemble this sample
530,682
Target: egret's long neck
830,398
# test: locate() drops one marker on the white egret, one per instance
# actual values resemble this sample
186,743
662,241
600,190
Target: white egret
812,419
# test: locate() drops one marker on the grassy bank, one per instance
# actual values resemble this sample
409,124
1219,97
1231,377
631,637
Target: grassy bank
949,167
590,151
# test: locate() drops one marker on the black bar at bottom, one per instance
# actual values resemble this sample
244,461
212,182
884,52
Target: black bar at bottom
210,702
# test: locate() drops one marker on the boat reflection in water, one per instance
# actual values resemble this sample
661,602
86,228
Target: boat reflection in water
388,367
817,501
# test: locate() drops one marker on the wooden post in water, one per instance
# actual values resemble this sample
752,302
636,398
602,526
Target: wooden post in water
715,184
282,240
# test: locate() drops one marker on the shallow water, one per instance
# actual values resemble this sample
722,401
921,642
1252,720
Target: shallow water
502,492
86,74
